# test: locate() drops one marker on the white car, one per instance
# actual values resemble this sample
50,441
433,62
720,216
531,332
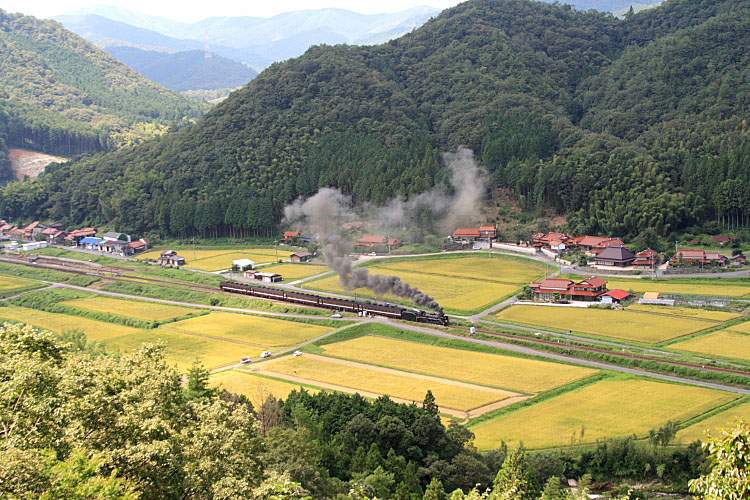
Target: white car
245,360
373,254
476,247
336,315
265,354
297,353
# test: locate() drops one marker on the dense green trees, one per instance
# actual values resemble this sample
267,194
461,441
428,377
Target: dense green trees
623,125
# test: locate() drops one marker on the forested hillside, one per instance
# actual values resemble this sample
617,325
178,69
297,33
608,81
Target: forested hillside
622,125
59,94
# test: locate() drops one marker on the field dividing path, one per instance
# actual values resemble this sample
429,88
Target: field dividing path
567,359
508,396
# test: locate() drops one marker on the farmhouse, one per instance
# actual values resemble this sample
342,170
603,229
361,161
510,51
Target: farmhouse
615,255
89,243
738,260
301,257
77,235
467,234
373,240
289,237
587,290
556,242
722,239
54,235
646,259
33,229
489,232
264,277
139,246
170,258
698,257
112,235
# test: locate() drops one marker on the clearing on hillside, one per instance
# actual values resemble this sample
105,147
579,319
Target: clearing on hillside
627,325
60,323
374,380
493,370
256,330
255,387
609,408
724,343
697,431
131,308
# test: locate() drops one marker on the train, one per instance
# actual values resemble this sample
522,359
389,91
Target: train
337,304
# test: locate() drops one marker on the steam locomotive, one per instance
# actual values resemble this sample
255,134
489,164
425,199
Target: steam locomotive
336,304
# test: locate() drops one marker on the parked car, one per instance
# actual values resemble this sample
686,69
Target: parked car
245,360
373,254
476,247
265,354
297,353
336,315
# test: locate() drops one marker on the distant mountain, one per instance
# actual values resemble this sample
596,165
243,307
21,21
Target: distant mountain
189,70
255,41
60,94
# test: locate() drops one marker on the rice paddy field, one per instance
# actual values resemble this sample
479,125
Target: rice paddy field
597,411
724,343
60,323
217,260
504,372
500,268
10,283
688,312
255,387
370,379
131,308
697,431
626,325
689,287
182,349
459,295
291,272
741,327
256,330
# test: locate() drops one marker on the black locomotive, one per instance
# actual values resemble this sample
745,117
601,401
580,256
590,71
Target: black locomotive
336,304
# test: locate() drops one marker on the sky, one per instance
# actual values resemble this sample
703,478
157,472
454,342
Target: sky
191,10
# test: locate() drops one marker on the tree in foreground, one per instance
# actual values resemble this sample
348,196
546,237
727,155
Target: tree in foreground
729,479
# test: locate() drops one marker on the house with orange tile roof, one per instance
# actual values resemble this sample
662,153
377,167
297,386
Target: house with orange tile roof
588,290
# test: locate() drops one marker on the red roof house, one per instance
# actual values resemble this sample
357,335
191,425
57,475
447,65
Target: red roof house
646,258
289,236
617,295
587,290
467,233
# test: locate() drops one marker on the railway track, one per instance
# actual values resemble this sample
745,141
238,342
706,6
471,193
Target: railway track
612,352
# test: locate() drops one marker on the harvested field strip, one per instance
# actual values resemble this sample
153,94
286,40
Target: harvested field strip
634,326
257,330
182,350
291,272
741,327
673,286
609,408
59,323
224,261
688,312
381,381
255,387
724,343
500,269
508,372
714,423
131,308
457,294
8,283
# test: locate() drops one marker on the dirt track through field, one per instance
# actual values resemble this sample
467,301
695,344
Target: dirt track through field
508,396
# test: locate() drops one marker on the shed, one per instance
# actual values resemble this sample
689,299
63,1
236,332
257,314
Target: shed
301,256
616,296
243,264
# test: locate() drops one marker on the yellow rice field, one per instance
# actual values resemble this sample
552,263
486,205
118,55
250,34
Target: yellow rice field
634,326
182,349
130,308
451,292
742,327
256,330
688,312
714,287
292,272
256,388
8,283
697,432
606,409
371,380
500,269
216,260
724,343
505,372
59,323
